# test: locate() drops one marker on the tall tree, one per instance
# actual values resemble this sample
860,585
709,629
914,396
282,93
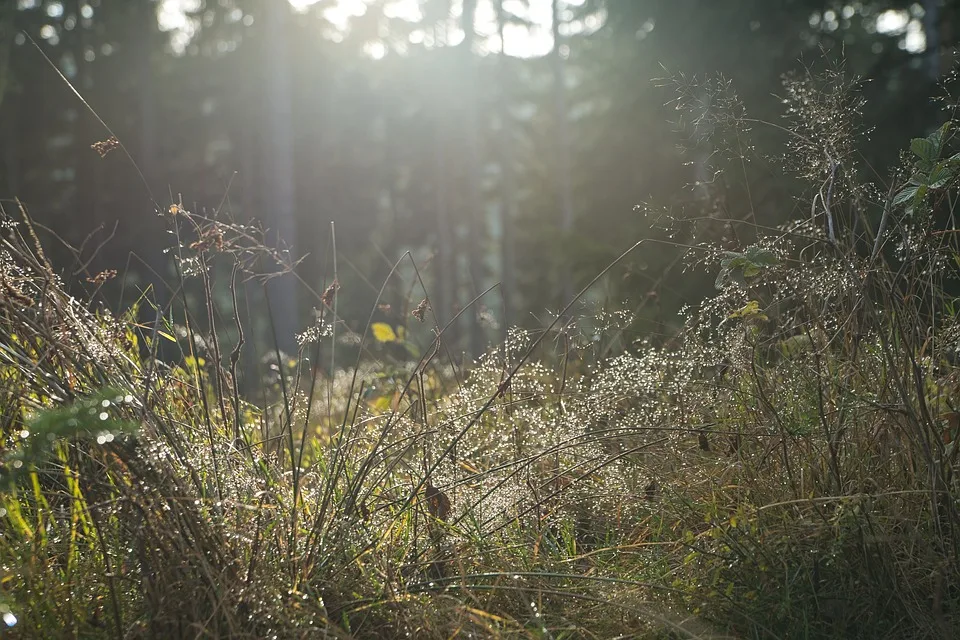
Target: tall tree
564,191
474,212
8,31
279,196
507,178
931,31
436,14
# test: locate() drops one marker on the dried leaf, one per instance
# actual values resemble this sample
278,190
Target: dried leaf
102,277
421,309
438,504
106,146
329,293
651,491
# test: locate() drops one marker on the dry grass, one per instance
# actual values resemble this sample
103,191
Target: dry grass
785,468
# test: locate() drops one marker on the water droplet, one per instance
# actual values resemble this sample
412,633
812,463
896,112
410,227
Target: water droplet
9,619
24,434
103,415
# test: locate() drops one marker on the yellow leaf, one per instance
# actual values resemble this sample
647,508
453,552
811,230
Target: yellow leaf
469,467
749,310
381,404
383,332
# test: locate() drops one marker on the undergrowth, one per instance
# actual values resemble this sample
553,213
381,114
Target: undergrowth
783,468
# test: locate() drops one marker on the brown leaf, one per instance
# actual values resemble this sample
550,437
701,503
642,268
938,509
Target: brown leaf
651,490
421,309
106,146
102,277
438,504
331,291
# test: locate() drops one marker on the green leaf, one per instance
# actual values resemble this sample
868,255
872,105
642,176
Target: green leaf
905,196
924,148
92,417
939,136
929,148
751,262
941,175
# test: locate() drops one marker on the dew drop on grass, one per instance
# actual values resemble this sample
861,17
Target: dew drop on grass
9,619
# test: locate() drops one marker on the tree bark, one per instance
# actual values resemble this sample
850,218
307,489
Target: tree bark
473,210
931,31
278,205
507,186
562,167
445,265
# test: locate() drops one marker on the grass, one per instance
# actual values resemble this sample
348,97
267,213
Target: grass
783,468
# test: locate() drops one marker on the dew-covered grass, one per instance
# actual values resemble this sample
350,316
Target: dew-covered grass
782,467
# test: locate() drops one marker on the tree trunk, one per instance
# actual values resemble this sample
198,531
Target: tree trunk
474,214
9,103
931,31
562,167
278,205
85,205
507,186
445,266
149,40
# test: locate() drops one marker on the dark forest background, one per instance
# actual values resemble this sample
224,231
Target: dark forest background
520,142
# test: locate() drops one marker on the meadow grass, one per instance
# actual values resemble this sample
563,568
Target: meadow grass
784,467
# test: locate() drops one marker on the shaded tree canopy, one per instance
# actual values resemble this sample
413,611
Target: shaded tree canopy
496,141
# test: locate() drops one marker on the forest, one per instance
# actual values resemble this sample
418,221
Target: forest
479,318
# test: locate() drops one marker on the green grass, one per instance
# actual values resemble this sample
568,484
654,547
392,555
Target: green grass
784,468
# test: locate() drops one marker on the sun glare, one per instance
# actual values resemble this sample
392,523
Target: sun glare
521,41
530,40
